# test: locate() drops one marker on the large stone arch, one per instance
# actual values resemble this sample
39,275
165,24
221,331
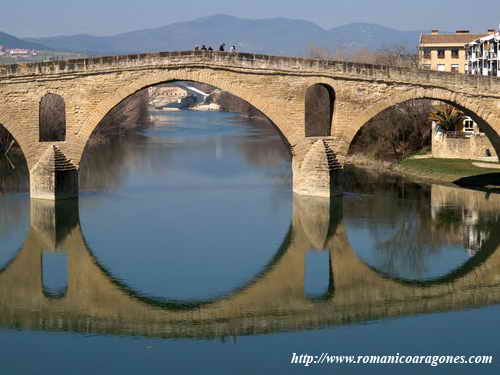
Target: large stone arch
489,122
272,110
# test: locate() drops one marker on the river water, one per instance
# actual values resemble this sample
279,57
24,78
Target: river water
188,253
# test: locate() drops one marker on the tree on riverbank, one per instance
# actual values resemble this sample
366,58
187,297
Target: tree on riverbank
396,132
394,55
130,114
448,117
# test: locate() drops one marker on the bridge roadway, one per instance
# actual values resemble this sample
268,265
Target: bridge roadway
95,302
317,133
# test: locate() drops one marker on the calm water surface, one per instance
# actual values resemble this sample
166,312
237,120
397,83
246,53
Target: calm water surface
188,253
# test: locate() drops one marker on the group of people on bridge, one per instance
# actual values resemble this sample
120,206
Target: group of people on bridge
222,48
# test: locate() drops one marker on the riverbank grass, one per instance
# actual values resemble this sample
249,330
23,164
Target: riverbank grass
445,169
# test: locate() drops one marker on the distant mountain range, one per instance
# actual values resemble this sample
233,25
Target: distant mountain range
278,36
10,41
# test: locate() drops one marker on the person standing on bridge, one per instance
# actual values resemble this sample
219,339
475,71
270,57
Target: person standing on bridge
233,48
221,48
203,48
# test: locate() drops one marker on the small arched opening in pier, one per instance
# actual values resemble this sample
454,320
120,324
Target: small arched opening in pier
52,118
319,109
318,277
54,274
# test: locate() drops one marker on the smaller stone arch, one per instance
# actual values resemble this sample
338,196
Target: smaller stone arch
469,107
319,108
52,118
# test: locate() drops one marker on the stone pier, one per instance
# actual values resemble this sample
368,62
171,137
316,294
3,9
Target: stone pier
54,177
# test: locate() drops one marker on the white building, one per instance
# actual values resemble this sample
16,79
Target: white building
19,51
483,55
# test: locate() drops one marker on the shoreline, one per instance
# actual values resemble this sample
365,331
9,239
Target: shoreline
433,170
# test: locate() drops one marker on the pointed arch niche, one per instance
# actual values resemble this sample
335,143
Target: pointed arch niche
52,118
319,106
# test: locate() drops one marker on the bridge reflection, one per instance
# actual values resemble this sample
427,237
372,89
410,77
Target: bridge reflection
95,302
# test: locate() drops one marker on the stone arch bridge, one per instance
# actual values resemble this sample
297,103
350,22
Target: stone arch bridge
319,138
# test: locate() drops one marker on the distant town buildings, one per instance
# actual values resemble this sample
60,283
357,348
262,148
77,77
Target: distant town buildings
162,96
17,52
468,210
483,55
167,91
461,52
445,52
21,52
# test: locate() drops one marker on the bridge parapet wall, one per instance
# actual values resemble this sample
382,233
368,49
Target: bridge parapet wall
254,61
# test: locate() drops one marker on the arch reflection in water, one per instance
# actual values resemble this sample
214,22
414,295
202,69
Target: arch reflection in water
427,240
274,301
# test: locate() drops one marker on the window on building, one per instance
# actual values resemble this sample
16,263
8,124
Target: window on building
427,53
426,66
468,125
454,53
454,68
441,67
440,53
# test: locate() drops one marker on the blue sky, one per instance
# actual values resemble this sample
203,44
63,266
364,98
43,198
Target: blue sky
106,17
